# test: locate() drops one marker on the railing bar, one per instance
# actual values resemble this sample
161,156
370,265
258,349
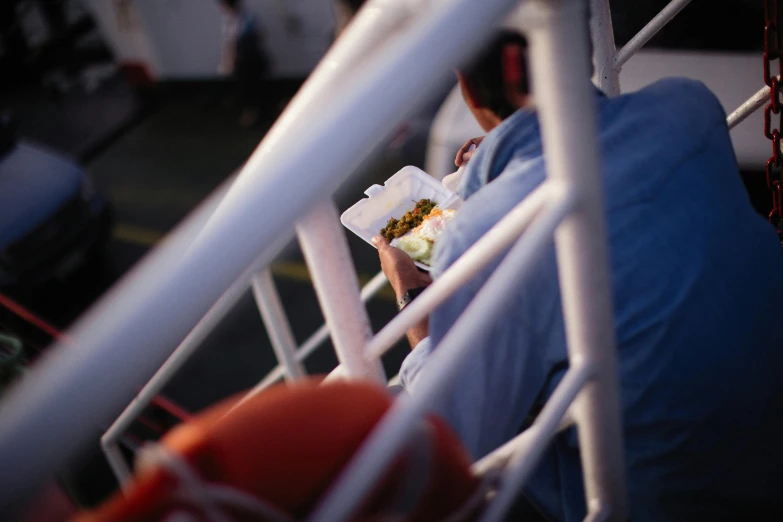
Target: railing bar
447,361
500,457
750,106
315,340
131,330
491,244
526,456
277,326
369,291
648,31
570,147
118,464
177,359
325,248
605,75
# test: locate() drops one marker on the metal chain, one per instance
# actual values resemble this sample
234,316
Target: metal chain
773,51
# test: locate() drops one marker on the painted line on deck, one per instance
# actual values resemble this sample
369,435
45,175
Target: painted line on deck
288,270
136,235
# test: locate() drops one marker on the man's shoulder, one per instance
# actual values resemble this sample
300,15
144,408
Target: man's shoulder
654,131
488,206
680,96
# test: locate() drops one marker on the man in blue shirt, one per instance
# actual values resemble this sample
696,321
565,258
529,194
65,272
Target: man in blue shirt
696,277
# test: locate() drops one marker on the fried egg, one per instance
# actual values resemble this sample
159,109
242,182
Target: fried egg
434,224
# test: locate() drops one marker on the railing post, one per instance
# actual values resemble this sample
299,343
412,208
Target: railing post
559,65
117,463
277,327
605,76
325,249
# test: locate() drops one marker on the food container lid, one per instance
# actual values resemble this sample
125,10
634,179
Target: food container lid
394,198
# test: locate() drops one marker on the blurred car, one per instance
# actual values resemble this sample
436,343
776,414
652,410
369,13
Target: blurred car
53,218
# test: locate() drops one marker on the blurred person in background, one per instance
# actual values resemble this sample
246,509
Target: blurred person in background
244,58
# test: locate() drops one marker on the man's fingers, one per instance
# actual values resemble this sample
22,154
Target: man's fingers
462,156
379,242
465,153
458,160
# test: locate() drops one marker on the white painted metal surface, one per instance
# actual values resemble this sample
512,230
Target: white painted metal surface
325,249
752,104
571,154
166,372
110,439
605,74
117,462
276,323
369,291
131,331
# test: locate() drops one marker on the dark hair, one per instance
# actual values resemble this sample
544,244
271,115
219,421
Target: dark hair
487,76
231,4
354,4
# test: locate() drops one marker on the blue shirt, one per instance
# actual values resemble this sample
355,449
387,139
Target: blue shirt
697,277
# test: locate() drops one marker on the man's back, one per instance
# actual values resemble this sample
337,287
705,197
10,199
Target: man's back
695,275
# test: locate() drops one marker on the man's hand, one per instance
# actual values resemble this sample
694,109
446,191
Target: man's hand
403,275
399,268
464,154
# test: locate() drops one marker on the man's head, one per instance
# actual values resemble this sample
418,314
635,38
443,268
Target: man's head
496,83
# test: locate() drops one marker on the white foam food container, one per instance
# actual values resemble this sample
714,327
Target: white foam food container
394,198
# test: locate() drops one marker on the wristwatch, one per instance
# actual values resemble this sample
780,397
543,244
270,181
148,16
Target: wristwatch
409,296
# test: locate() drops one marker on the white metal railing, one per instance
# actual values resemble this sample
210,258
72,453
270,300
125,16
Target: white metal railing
280,334
132,330
275,323
609,61
129,332
648,31
753,104
607,69
325,249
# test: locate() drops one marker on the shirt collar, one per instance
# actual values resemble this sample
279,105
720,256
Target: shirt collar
517,137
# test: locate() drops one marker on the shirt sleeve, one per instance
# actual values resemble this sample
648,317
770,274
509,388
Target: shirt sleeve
500,379
413,364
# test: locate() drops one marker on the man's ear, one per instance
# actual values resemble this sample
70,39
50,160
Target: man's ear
470,97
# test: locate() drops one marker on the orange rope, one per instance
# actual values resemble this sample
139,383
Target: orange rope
172,408
57,334
30,317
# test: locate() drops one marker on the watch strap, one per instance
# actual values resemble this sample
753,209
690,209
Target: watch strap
409,296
